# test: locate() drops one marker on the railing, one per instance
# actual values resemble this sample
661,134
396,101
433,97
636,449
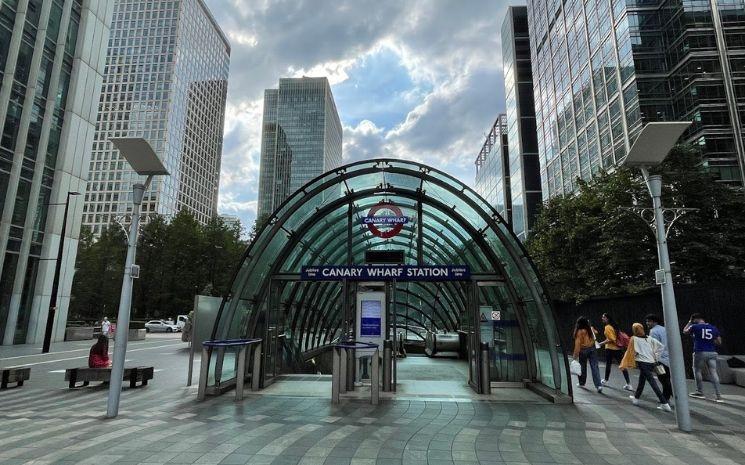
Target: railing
343,372
219,348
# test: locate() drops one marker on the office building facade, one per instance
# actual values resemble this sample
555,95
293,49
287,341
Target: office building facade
604,68
165,80
493,170
301,138
524,166
51,63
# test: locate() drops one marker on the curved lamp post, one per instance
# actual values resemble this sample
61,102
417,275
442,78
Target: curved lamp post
650,149
145,162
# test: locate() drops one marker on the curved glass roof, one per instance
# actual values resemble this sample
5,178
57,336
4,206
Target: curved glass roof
451,224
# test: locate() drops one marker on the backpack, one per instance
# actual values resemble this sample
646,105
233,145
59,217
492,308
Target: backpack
622,339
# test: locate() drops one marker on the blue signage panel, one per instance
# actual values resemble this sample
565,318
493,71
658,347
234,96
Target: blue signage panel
385,273
370,318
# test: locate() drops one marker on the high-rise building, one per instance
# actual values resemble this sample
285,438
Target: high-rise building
493,169
51,63
165,81
301,138
524,175
604,68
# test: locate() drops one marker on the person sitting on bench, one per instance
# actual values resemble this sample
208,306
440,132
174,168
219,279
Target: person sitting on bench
99,355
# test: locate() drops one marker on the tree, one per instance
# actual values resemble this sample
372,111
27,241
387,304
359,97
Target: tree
586,244
177,258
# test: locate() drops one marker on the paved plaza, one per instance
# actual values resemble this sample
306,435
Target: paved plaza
44,422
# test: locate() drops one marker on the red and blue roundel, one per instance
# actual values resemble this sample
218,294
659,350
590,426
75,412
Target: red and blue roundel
390,217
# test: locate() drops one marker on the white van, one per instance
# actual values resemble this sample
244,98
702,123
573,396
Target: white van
181,321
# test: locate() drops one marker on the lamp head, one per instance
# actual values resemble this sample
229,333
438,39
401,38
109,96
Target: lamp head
654,143
140,155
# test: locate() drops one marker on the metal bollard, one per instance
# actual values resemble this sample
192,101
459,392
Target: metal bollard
387,365
485,376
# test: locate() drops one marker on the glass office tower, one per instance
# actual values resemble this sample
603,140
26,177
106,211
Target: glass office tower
301,138
603,68
493,169
524,175
51,62
165,81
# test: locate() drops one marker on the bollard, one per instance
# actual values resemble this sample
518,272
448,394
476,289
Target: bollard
485,376
387,358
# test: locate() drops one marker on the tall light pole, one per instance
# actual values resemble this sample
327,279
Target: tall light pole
144,162
55,282
651,147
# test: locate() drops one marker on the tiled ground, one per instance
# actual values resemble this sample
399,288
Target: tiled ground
62,426
164,424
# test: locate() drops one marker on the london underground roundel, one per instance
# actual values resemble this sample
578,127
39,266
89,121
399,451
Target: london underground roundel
385,220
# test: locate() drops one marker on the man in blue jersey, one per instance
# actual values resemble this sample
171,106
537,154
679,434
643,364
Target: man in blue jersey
706,338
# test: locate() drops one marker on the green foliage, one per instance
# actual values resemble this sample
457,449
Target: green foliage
587,244
177,260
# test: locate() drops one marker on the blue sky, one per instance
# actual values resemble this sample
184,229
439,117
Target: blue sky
417,79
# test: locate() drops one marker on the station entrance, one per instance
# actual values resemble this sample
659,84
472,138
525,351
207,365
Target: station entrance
455,290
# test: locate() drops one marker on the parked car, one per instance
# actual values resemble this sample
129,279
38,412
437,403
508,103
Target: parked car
160,326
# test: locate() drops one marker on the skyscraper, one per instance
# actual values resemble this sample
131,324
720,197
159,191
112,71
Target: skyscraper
301,138
51,62
493,169
524,175
604,68
166,81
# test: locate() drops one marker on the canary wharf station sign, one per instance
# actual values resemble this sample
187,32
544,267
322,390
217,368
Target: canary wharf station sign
385,273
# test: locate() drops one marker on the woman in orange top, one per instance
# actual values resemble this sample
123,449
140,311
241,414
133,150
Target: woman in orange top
613,351
584,351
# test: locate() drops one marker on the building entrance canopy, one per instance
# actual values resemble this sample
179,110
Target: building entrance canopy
455,245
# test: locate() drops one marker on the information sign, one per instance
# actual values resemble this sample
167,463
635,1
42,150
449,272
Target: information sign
385,273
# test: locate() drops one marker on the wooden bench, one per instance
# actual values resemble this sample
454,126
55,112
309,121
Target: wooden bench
86,375
14,375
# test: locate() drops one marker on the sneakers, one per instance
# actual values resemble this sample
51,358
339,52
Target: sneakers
627,387
600,389
580,385
697,395
603,382
719,400
634,400
665,407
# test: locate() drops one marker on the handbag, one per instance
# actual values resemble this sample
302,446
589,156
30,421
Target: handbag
575,368
660,369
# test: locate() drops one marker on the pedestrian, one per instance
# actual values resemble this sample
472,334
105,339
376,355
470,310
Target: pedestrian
657,331
614,344
706,338
105,327
585,351
643,353
99,354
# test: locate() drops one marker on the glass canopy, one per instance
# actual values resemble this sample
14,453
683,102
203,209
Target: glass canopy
322,224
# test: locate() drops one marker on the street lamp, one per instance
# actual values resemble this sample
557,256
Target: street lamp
55,282
144,162
651,147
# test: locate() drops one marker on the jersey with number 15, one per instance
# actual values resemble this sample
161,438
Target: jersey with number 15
704,336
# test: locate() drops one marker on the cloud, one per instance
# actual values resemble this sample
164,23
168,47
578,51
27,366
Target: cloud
419,79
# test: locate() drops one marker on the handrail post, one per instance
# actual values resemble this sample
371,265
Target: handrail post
375,378
256,372
240,373
387,362
203,372
336,375
485,375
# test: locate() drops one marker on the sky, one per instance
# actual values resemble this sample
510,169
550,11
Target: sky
412,79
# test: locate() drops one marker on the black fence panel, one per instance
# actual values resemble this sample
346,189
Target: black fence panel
722,304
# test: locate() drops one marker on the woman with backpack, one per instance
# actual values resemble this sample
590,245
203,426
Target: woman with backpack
644,353
615,343
585,351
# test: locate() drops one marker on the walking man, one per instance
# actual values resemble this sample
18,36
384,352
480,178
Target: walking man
657,331
706,338
106,327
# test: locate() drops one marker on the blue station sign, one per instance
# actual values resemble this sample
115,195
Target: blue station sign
385,273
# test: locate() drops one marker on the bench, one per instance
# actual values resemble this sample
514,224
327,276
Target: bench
14,375
86,375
